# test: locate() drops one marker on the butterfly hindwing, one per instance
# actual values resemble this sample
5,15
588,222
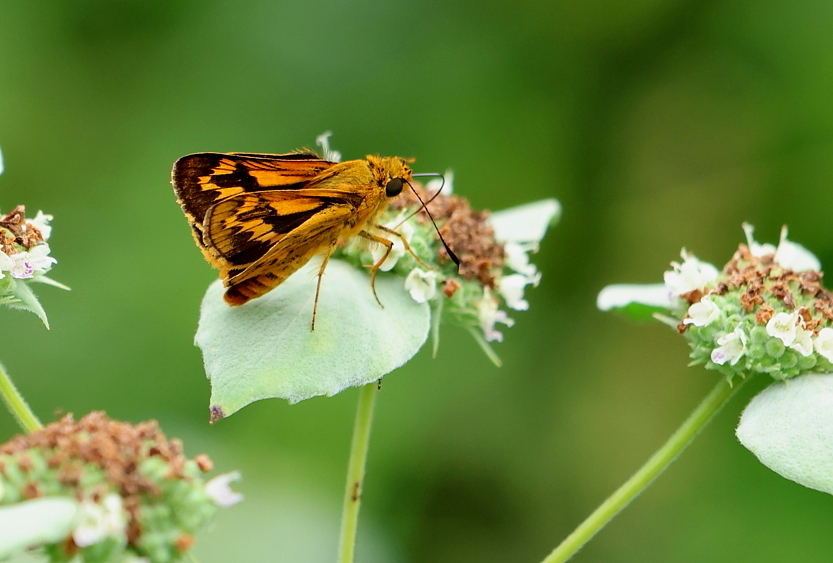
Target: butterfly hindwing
242,228
291,251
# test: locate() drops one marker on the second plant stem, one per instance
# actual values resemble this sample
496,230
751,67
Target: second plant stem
646,474
355,473
16,404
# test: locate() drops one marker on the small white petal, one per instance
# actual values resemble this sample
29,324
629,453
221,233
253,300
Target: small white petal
803,342
219,489
793,256
323,141
757,250
99,521
511,288
690,275
22,265
41,222
731,347
91,525
525,223
489,315
783,326
6,263
421,285
702,313
621,295
398,249
789,427
516,258
824,343
1,162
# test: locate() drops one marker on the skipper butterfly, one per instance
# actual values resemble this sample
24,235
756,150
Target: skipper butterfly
259,217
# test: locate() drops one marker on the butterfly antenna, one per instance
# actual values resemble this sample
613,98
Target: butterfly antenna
442,184
424,206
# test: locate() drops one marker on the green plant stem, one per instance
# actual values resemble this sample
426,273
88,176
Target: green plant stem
646,474
17,405
355,473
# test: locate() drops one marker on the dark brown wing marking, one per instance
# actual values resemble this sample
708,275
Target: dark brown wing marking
203,179
242,228
291,252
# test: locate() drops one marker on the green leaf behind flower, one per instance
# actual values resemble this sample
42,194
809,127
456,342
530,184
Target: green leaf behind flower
35,522
265,348
24,298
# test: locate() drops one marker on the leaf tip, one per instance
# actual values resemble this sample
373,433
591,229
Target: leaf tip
216,414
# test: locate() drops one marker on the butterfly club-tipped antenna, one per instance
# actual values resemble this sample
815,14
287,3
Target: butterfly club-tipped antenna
425,207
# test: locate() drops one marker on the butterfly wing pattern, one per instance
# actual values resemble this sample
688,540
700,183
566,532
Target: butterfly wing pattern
260,217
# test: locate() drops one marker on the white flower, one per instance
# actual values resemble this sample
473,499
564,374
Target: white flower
511,288
446,183
783,326
621,295
421,285
30,263
41,222
702,313
793,256
219,489
22,267
730,347
690,275
789,427
398,250
516,258
323,141
489,315
96,522
803,342
757,250
2,490
824,343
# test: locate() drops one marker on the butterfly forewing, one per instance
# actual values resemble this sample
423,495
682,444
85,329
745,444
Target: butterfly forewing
260,217
203,179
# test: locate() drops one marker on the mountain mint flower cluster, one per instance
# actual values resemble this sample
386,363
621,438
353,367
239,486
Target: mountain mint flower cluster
493,250
24,257
24,252
135,494
765,312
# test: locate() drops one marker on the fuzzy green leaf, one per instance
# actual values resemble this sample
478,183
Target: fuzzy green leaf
637,301
35,522
24,298
266,349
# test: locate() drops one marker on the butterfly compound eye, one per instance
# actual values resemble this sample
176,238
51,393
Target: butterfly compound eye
393,187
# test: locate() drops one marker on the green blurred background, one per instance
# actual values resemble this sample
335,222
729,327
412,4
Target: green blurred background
657,123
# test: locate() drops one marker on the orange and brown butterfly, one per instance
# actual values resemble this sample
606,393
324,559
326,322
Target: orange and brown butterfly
259,217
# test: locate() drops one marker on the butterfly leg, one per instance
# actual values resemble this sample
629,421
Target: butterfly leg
318,285
405,244
375,267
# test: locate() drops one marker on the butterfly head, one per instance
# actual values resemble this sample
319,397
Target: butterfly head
392,173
